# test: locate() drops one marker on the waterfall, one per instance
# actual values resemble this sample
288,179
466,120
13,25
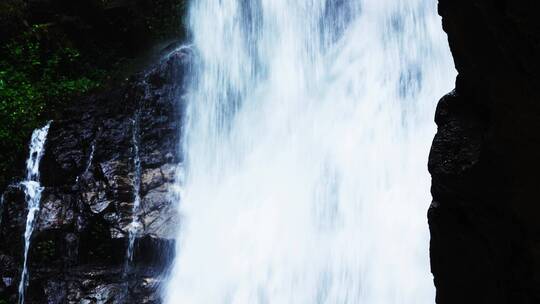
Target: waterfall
88,162
307,136
2,199
90,157
32,191
135,225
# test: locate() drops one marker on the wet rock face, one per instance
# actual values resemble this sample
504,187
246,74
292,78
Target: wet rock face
79,243
485,232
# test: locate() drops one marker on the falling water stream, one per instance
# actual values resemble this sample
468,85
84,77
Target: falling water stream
90,158
2,199
135,225
32,190
308,130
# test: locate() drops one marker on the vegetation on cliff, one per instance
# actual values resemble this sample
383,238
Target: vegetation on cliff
54,51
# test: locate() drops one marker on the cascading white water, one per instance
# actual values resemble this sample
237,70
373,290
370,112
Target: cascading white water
32,190
309,126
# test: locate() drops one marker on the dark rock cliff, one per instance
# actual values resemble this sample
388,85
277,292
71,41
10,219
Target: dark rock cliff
485,245
78,248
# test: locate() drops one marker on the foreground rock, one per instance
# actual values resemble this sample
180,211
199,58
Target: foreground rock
485,245
79,245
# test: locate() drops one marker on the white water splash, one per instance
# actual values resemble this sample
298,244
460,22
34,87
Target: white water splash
32,191
309,126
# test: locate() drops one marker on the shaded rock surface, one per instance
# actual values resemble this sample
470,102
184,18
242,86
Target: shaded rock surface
485,232
79,244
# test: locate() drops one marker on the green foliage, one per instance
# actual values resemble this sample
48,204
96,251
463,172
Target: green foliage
38,73
75,48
